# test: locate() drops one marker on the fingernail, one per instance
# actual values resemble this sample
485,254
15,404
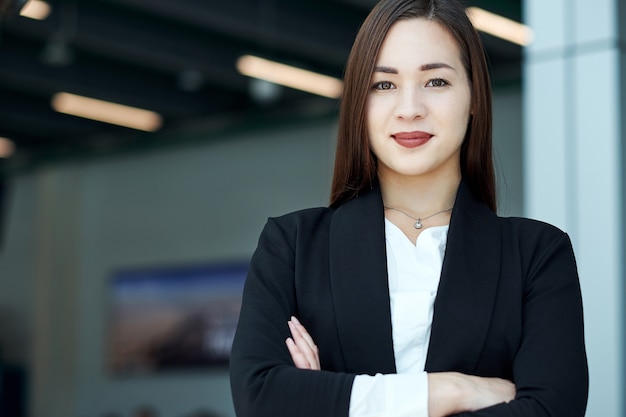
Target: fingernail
295,320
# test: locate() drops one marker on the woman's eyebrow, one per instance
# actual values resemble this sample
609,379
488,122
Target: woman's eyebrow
386,70
436,65
425,67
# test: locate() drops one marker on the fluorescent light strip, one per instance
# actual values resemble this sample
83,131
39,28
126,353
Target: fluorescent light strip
104,111
289,76
500,26
36,9
7,148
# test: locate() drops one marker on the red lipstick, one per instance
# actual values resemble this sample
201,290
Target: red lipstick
411,139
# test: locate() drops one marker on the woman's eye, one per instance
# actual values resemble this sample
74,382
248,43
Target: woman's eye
383,85
437,82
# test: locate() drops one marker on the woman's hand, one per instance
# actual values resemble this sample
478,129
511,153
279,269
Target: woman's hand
453,392
301,346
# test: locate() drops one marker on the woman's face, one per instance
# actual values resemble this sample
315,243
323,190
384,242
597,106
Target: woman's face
418,107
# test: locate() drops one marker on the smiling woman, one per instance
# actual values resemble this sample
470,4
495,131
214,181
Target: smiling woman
409,296
421,100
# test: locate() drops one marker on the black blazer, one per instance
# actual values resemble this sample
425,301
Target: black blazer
508,305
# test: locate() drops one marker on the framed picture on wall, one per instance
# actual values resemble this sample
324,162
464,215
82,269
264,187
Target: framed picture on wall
175,318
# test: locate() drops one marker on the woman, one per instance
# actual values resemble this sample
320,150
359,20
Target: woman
408,296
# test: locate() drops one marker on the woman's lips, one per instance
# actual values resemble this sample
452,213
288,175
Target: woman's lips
411,139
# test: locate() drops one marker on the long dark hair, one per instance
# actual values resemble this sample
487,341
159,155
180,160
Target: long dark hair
355,164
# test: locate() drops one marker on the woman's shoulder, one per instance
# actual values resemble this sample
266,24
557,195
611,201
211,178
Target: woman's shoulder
531,232
302,220
311,214
530,225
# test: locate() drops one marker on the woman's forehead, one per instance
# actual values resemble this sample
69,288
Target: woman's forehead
418,42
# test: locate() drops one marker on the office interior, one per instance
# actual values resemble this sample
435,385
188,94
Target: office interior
214,150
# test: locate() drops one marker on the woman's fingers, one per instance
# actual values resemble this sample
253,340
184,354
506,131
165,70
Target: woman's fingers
299,359
453,392
305,343
493,390
301,346
303,332
484,392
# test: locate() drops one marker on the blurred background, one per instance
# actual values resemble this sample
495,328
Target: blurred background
146,142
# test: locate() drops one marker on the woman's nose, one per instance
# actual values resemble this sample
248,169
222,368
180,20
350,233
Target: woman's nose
411,104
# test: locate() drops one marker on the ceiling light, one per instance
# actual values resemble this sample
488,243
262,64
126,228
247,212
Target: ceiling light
289,76
500,26
107,112
7,148
36,9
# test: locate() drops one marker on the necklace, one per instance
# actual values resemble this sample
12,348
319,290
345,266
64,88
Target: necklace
418,220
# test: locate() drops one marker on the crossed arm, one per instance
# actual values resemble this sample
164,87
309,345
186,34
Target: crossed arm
448,392
549,362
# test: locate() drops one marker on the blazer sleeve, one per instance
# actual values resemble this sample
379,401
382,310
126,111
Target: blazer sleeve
264,381
550,368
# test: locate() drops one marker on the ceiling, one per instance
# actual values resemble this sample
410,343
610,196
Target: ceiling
178,59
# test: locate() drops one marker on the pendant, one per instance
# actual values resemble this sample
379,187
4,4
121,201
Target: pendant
418,224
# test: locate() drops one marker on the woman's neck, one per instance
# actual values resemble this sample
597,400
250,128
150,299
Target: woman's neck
418,195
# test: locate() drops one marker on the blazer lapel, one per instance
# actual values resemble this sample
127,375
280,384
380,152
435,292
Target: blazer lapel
358,270
467,288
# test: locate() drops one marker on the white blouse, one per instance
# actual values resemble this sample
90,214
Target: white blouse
414,271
